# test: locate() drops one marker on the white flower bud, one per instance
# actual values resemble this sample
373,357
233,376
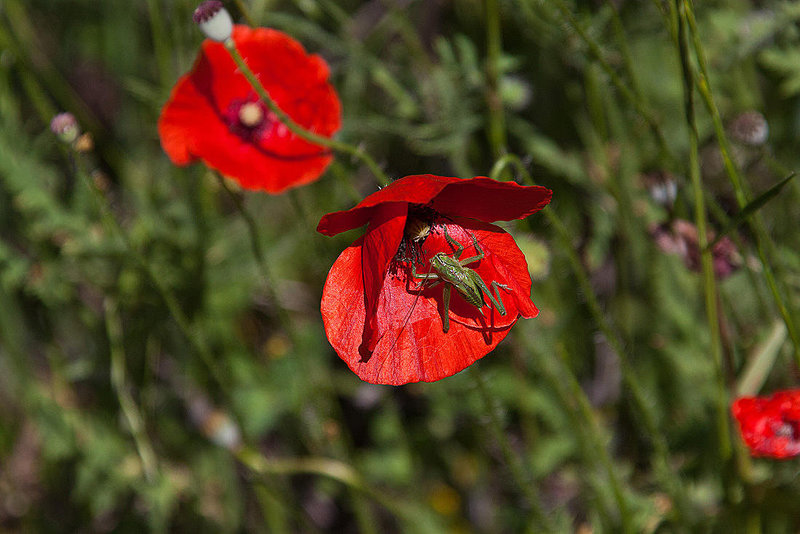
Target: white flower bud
214,20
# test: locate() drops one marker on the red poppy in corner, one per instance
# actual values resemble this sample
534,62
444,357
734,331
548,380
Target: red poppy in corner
392,327
213,113
770,426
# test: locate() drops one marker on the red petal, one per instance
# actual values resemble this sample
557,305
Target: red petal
191,125
478,198
489,200
380,245
411,344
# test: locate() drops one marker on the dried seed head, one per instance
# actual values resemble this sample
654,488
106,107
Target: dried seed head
750,128
65,127
214,20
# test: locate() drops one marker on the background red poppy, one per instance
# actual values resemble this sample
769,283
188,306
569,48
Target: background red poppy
770,426
201,120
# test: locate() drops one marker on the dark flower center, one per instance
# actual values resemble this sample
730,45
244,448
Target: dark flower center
249,118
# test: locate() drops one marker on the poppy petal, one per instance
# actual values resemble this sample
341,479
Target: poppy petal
478,198
380,245
489,200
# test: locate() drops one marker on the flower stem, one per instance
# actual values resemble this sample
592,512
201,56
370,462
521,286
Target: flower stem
326,467
709,282
762,239
629,94
522,478
298,130
129,409
587,428
497,126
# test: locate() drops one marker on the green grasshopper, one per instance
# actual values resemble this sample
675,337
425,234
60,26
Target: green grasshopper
454,272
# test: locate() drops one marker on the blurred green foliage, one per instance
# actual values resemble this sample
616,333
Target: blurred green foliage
111,419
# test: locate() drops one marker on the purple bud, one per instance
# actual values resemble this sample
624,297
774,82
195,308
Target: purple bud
65,127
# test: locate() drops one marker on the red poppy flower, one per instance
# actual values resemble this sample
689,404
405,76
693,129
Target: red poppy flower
387,325
213,113
770,426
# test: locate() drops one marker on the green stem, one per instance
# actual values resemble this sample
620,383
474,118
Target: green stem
497,126
709,281
521,477
195,337
589,431
161,48
763,242
361,508
298,130
129,408
245,12
326,467
621,86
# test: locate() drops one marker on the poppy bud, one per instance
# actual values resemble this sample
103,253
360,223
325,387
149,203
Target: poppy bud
65,127
214,20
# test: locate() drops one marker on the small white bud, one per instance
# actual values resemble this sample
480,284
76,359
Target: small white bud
214,20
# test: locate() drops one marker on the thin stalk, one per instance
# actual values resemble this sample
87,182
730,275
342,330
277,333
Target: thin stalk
195,337
563,379
361,509
627,93
763,242
130,410
494,102
258,253
298,130
709,281
325,467
161,48
521,476
245,12
661,459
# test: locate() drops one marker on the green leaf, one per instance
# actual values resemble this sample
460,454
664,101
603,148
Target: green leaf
751,208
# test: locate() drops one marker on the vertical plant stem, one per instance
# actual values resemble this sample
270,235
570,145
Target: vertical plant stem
129,408
522,478
709,281
763,242
298,130
160,44
321,400
497,123
243,9
626,92
258,254
588,429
